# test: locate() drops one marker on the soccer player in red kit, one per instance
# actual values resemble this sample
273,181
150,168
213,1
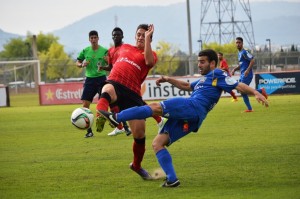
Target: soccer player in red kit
112,56
224,66
124,88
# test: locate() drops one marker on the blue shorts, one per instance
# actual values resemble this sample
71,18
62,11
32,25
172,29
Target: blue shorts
179,108
175,129
91,87
178,111
246,80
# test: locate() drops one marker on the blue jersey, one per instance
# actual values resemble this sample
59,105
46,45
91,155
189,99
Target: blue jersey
206,94
244,57
208,89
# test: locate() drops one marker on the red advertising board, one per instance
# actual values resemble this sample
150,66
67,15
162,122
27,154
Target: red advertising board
61,93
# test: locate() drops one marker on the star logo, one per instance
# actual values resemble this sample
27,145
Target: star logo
49,95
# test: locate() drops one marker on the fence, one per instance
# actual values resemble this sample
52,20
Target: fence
20,77
266,62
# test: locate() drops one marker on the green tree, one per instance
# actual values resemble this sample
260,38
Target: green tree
229,48
19,48
293,48
57,64
168,62
44,41
16,48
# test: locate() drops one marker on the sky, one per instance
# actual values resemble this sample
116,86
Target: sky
20,16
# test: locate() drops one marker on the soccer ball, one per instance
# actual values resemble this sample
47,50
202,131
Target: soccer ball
158,174
82,118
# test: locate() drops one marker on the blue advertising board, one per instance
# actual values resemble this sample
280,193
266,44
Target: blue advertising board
279,83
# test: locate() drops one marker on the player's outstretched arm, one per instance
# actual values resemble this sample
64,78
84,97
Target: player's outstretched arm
243,88
186,86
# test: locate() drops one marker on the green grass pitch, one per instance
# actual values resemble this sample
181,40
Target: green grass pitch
234,155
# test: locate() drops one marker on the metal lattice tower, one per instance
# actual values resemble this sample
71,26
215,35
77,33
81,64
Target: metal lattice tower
222,21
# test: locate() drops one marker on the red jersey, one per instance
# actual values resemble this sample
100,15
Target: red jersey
130,68
113,54
224,65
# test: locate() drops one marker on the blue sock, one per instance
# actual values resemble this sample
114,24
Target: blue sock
138,112
165,160
247,101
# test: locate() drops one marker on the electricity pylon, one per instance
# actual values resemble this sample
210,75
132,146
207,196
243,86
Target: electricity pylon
222,21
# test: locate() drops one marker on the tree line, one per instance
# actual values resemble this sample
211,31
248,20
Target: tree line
56,63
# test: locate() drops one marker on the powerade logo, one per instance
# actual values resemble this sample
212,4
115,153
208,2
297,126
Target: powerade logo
271,83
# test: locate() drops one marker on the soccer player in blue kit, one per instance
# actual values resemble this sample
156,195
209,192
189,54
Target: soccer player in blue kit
246,62
185,115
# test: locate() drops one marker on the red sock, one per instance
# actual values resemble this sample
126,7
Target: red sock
233,95
139,149
102,104
116,109
157,118
120,126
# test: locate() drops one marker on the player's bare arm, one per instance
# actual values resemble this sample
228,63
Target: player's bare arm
235,69
177,83
82,64
79,63
249,67
107,67
243,88
149,58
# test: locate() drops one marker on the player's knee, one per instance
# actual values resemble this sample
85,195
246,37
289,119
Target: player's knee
108,92
156,146
156,108
138,135
106,96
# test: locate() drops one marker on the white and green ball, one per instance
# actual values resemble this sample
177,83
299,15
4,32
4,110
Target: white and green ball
82,118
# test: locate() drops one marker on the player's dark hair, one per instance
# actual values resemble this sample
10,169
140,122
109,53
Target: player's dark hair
239,38
93,32
220,53
143,26
117,29
210,54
